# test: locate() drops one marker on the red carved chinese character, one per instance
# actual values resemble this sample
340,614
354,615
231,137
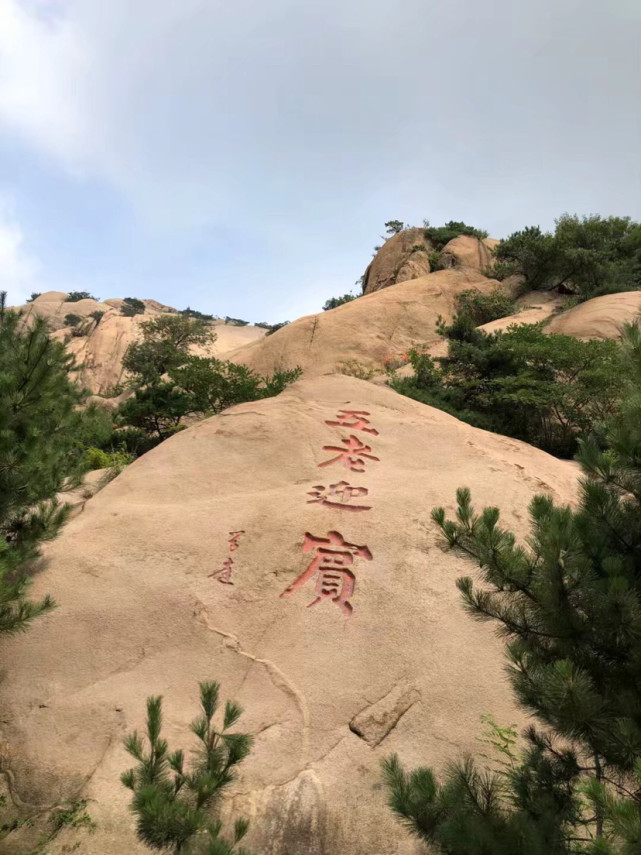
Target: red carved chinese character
353,419
334,580
342,491
234,539
354,454
224,575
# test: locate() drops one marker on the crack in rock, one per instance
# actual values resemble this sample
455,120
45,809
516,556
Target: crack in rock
278,678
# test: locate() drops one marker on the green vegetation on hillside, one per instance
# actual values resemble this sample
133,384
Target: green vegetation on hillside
132,306
440,235
334,302
548,390
568,601
76,296
586,256
172,384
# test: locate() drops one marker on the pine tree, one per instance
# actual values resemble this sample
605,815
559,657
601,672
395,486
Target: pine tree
569,604
40,455
173,804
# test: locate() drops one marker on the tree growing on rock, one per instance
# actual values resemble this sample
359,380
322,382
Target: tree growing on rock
173,802
165,343
584,256
569,604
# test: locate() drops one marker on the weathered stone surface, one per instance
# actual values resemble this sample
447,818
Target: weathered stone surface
99,353
467,251
144,609
368,330
404,256
375,721
601,317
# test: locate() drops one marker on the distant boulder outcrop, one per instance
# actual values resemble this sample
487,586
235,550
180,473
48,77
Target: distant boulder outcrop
365,333
468,251
601,317
404,256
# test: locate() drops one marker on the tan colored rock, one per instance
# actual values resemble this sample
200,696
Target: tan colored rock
368,330
100,351
51,297
404,256
143,610
601,317
468,251
54,309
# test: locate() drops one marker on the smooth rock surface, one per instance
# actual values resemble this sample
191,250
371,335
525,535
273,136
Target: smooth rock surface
149,604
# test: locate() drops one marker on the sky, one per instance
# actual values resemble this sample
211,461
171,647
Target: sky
242,157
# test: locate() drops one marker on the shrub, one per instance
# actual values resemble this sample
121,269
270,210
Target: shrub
197,386
132,306
236,322
275,327
34,296
334,302
76,296
483,308
80,331
585,256
114,390
354,368
193,313
72,320
548,390
97,316
434,259
97,458
440,235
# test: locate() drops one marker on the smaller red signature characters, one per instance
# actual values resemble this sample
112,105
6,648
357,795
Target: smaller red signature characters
234,540
331,567
224,574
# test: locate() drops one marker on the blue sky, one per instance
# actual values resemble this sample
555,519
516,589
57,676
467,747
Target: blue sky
242,157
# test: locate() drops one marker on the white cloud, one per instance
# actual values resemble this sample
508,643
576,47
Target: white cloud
272,138
18,270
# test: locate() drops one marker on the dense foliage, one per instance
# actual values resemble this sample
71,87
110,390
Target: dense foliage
132,306
199,386
194,313
165,343
440,235
334,302
569,603
548,390
42,448
479,308
172,384
585,256
271,328
76,296
173,802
